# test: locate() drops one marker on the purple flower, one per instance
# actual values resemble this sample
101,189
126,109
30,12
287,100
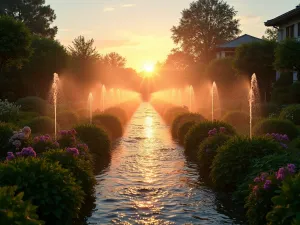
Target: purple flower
263,176
63,132
18,154
267,184
280,175
28,152
73,131
73,151
257,179
36,139
212,132
56,144
26,130
291,168
285,138
17,144
284,145
10,156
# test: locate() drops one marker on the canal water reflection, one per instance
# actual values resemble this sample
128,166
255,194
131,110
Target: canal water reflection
149,180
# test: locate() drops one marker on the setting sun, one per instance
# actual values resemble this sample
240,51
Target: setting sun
149,67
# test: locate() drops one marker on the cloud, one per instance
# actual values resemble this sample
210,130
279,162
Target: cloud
128,5
250,19
108,9
114,43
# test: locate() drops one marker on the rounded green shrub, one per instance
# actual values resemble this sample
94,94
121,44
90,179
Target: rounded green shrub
267,163
276,126
16,211
67,119
33,104
199,132
291,113
9,111
110,123
183,118
95,137
286,204
295,92
42,125
117,112
240,120
232,162
268,109
183,130
6,132
208,150
171,113
25,117
81,169
50,187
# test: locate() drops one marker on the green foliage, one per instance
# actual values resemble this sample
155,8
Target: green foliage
200,41
37,16
268,109
222,72
81,169
117,112
281,95
276,126
25,117
67,119
271,34
33,104
110,123
292,113
240,120
95,138
13,210
232,162
208,150
286,204
8,111
114,60
183,118
285,80
37,76
42,125
267,163
6,131
51,188
199,133
295,92
15,41
286,55
183,130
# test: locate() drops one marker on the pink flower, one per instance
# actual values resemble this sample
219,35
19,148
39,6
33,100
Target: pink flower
267,184
10,156
222,129
73,151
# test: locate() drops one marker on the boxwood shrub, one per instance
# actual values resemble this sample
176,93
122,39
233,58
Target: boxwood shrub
110,123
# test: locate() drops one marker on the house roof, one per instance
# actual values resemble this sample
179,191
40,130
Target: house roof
290,15
244,39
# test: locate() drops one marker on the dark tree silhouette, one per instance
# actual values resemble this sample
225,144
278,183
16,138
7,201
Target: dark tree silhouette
114,60
206,24
37,16
270,34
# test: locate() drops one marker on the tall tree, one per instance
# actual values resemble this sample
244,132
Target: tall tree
83,49
257,57
270,34
37,16
287,56
15,41
179,60
114,60
206,24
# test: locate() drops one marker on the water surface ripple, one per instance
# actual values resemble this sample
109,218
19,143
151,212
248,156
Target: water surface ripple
149,180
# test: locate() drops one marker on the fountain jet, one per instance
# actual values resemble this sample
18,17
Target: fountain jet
54,91
253,100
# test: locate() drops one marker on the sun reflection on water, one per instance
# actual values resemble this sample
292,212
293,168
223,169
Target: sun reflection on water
148,127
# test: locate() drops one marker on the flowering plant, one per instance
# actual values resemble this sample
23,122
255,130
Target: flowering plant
26,152
264,188
215,131
44,143
20,138
67,138
283,139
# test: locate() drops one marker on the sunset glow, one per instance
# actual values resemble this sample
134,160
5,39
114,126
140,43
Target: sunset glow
149,67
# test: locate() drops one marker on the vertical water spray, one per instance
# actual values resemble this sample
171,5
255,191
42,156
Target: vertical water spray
90,106
213,95
253,101
55,88
191,95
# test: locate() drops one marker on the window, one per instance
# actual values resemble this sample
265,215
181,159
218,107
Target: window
290,31
298,29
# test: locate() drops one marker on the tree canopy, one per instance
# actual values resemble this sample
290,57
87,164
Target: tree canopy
15,41
270,34
114,60
206,24
37,16
287,56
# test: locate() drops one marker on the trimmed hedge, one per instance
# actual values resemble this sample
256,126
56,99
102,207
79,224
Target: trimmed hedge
33,104
233,160
95,137
183,130
42,125
292,113
110,123
67,119
276,126
50,187
199,133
